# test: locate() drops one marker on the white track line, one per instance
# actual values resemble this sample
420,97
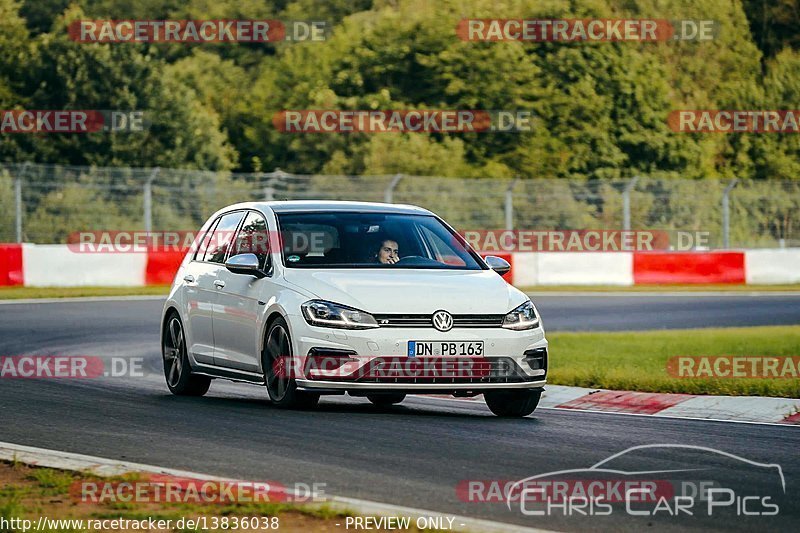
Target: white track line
592,411
670,417
111,467
90,299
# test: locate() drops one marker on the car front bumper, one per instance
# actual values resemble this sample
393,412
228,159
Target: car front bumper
373,354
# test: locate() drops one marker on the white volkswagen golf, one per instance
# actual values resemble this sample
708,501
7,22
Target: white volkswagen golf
375,300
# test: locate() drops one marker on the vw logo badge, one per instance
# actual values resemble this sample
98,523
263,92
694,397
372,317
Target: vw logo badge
442,320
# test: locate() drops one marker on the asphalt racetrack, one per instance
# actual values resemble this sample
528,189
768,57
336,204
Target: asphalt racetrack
415,454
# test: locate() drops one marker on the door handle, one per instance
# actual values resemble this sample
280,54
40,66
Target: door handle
218,283
188,278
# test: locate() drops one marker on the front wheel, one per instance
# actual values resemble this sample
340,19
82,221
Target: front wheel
514,404
278,370
177,370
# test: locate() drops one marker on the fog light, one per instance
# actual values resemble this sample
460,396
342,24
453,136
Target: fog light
327,359
536,359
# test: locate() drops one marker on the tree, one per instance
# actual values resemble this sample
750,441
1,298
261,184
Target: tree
773,24
181,132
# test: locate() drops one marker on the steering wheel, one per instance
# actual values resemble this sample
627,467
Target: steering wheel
416,260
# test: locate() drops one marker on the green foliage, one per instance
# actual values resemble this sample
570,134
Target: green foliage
52,482
773,24
62,74
57,217
638,360
599,109
7,209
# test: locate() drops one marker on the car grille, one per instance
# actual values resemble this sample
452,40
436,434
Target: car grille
424,321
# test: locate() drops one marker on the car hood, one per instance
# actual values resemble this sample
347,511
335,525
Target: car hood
409,290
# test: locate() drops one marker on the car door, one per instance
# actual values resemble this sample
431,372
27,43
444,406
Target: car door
200,296
208,285
236,317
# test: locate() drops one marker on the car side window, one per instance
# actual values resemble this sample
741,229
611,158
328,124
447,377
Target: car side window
253,238
203,244
222,237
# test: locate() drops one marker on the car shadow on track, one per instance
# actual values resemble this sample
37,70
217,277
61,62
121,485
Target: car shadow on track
260,406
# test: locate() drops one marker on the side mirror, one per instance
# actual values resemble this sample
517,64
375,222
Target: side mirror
244,264
498,264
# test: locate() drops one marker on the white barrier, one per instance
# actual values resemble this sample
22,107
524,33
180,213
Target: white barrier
525,269
56,265
573,268
772,266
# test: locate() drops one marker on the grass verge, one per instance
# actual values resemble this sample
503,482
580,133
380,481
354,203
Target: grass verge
31,492
638,360
15,293
19,293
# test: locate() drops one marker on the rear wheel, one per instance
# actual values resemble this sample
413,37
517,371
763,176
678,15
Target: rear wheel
385,400
278,370
512,403
177,370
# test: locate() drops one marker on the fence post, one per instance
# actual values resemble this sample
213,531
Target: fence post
272,179
269,188
626,203
148,200
18,200
389,192
509,204
726,216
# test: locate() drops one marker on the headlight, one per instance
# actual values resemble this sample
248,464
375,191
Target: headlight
523,317
328,314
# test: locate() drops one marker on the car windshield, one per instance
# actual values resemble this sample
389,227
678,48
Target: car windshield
371,240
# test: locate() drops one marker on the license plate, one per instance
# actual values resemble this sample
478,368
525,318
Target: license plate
445,349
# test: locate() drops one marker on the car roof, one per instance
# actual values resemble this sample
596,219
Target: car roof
305,206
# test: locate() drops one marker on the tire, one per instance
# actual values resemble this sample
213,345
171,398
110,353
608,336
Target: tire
282,389
512,404
385,400
177,370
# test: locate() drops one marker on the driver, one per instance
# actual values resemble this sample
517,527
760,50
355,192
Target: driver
388,252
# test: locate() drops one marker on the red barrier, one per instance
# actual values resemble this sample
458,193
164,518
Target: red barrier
688,267
508,276
11,265
162,265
